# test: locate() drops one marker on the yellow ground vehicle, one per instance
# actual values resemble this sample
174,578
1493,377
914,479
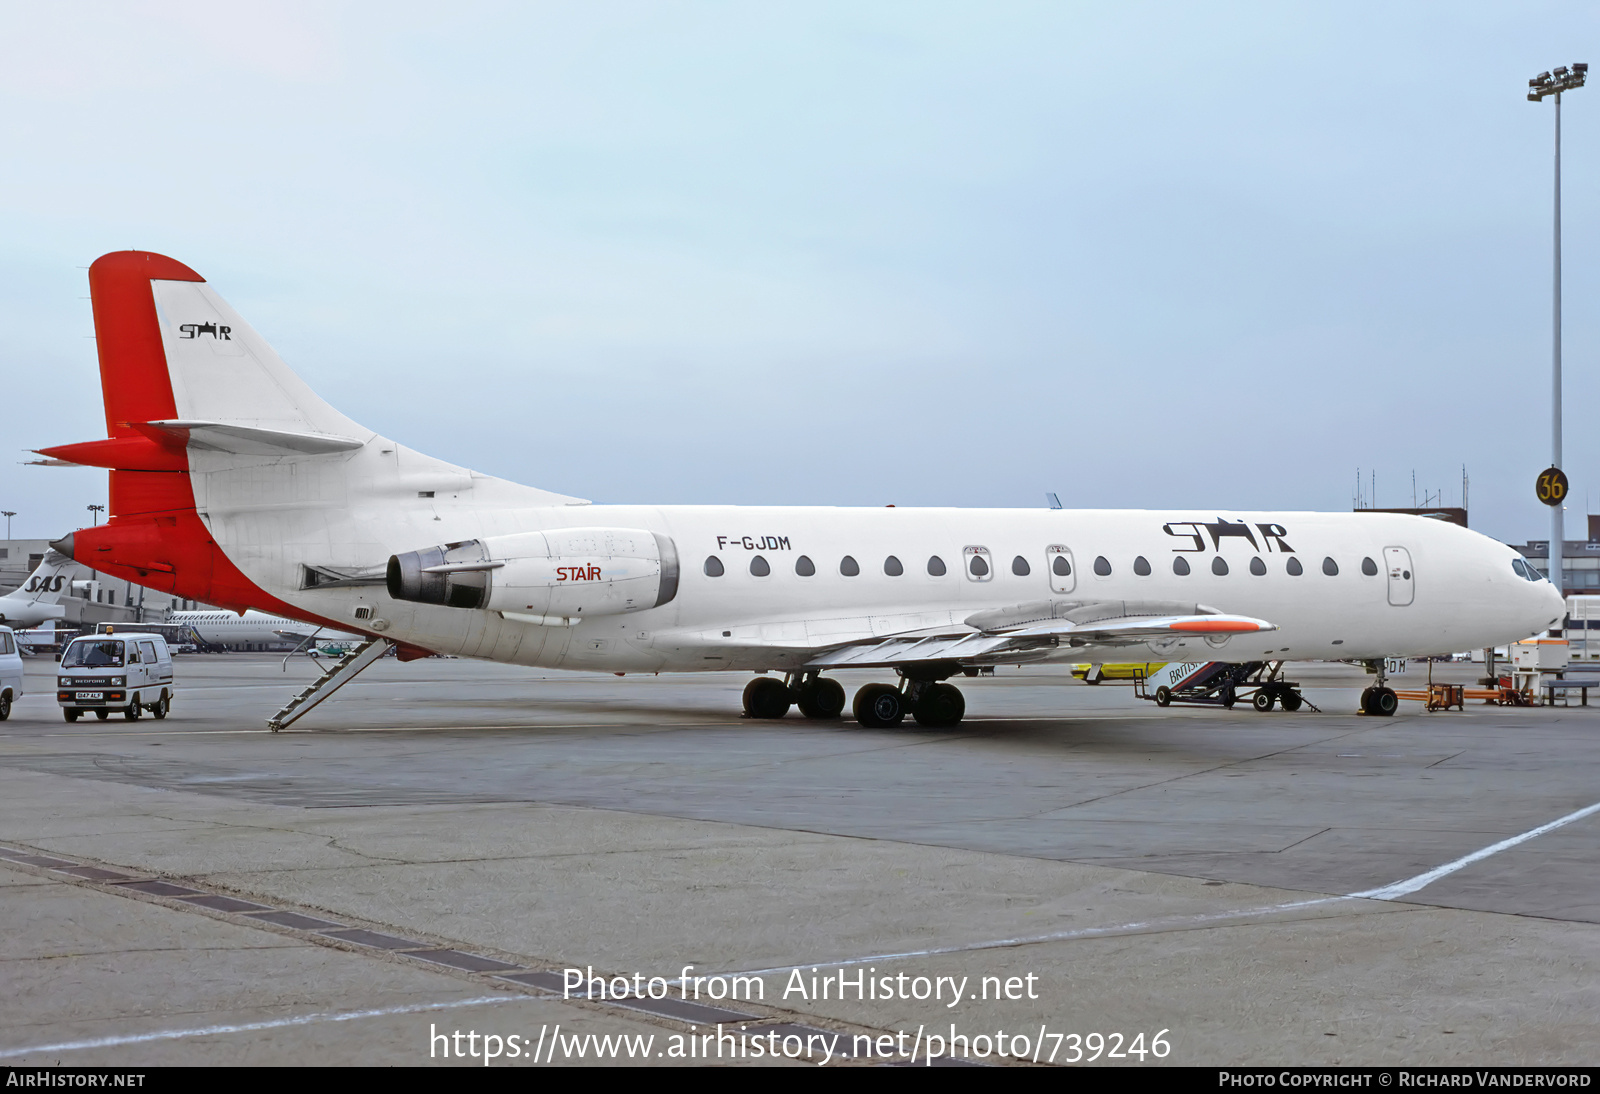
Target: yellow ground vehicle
1117,672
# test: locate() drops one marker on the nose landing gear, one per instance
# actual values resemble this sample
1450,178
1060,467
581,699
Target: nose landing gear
1379,699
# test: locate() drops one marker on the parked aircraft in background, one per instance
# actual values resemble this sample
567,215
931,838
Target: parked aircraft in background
234,484
38,599
225,628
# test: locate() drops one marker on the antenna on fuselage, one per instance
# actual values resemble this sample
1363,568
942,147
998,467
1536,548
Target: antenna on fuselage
1052,501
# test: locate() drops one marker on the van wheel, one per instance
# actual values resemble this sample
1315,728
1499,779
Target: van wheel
69,714
5,707
162,705
132,713
102,714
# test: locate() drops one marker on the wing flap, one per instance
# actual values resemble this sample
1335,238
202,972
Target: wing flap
1031,635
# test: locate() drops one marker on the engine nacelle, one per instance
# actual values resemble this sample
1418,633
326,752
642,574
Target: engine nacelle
559,576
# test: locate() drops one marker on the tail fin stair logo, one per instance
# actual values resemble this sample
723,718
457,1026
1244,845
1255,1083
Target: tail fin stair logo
195,330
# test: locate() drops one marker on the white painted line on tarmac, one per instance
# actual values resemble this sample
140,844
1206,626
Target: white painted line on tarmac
1392,891
1176,923
247,1027
1411,884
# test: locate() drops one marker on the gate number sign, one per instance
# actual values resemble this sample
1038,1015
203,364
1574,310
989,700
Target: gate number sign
1551,486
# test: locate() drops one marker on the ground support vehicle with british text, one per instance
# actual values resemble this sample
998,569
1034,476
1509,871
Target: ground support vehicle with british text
128,673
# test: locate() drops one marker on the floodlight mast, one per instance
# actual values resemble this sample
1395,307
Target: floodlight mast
1545,84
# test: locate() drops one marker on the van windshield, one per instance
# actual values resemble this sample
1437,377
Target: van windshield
106,654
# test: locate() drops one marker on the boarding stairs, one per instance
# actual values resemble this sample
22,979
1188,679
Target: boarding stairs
340,673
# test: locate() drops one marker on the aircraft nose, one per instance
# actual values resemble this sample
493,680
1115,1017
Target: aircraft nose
1552,604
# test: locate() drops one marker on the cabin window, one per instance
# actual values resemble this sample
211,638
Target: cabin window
1141,566
713,566
892,567
1061,567
1369,567
978,562
1020,567
1293,567
1330,567
1180,566
759,567
805,567
849,567
1219,566
1102,566
935,566
1258,567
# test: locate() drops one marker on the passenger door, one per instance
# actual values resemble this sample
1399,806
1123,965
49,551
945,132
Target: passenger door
1402,584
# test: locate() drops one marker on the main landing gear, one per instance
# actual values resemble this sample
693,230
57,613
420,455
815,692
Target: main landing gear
765,697
1379,699
877,706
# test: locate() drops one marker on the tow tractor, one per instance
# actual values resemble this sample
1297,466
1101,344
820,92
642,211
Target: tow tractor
1222,683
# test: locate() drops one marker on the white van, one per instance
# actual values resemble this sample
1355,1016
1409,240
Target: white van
10,671
105,672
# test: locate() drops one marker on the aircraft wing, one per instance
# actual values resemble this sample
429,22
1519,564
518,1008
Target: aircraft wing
1031,632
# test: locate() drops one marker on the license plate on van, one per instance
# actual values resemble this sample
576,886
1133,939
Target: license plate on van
91,695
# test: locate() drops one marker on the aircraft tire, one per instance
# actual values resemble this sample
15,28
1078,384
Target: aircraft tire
1291,700
1163,696
1263,700
1366,700
940,705
765,697
1384,702
878,706
822,699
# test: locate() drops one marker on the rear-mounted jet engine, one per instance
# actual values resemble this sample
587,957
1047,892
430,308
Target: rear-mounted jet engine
554,578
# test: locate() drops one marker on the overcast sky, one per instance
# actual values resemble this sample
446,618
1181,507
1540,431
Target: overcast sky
1141,255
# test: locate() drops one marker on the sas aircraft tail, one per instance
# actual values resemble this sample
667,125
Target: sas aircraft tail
39,598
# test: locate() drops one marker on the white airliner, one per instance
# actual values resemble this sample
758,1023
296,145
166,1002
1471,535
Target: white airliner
224,628
38,599
233,483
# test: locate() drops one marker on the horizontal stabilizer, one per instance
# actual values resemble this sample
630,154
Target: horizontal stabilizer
249,440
